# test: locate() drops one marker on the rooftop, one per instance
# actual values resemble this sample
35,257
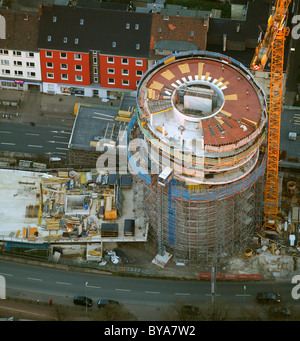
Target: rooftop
123,30
20,31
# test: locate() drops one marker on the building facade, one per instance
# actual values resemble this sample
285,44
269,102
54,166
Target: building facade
19,56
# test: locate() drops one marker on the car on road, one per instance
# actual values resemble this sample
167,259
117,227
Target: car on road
103,302
83,300
267,297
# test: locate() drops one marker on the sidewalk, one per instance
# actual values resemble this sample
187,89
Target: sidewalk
45,109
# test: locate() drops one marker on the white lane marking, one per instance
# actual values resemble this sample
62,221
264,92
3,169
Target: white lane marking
93,286
60,137
64,283
5,132
152,292
182,293
35,146
5,274
34,279
242,295
123,289
211,295
11,144
31,134
62,142
62,148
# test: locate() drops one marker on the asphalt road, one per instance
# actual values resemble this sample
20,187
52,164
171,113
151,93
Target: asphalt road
39,282
40,139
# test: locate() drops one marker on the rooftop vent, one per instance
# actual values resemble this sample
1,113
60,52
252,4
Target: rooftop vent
54,19
114,44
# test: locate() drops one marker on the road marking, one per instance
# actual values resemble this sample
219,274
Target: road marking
34,145
4,274
34,279
92,286
152,292
242,295
60,137
211,294
182,293
5,132
60,153
62,148
31,134
11,144
64,283
62,142
123,289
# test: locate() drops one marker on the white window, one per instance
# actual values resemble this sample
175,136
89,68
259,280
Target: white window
29,54
127,26
50,75
124,61
30,74
5,72
49,38
110,60
76,41
111,70
81,21
137,46
48,54
139,73
114,44
125,72
64,66
30,64
17,53
3,51
78,78
65,39
136,26
111,81
138,62
77,56
4,62
54,19
18,73
125,82
63,55
64,76
78,67
17,63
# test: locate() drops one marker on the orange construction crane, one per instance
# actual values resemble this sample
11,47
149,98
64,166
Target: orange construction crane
273,43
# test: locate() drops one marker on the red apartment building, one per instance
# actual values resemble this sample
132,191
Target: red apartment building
89,52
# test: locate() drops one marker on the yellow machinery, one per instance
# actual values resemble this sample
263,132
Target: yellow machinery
273,43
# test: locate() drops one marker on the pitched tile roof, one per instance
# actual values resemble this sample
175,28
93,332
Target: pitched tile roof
177,28
21,31
119,33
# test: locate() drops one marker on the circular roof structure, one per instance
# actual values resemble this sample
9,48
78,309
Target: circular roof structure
204,97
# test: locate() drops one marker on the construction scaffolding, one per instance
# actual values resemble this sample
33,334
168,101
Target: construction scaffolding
198,224
200,162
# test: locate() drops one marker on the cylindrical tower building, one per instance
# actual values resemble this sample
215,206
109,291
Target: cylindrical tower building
202,120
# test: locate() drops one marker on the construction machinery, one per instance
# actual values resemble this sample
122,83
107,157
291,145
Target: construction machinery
273,44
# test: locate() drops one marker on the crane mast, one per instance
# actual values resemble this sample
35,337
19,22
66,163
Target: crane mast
273,43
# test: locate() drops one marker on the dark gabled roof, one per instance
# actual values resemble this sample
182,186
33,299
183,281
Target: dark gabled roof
256,21
119,33
21,31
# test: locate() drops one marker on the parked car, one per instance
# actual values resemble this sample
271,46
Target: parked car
268,297
102,302
83,300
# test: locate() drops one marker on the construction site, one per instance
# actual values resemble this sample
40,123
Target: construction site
210,203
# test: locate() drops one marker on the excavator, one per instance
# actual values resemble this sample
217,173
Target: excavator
272,45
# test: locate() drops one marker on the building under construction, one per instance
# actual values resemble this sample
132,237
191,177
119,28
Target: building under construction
201,119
